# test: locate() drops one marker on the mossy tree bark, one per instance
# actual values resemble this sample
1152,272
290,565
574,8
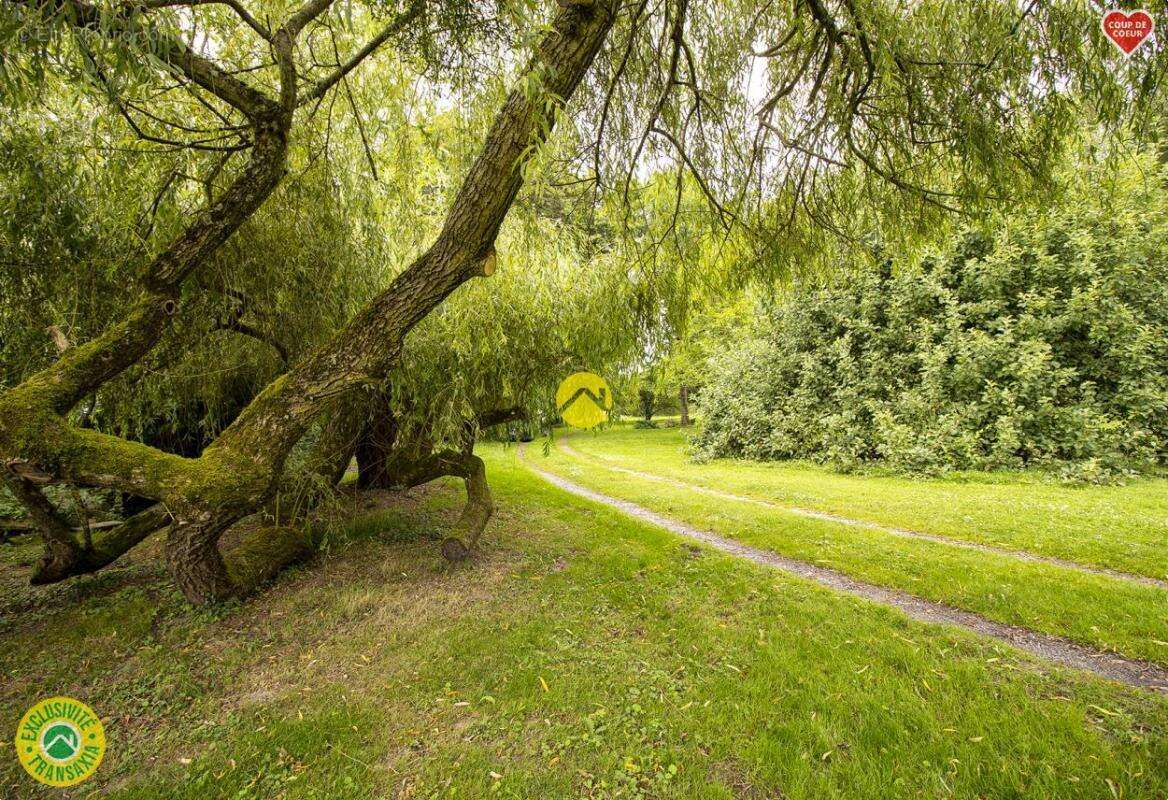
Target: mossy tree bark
240,471
35,438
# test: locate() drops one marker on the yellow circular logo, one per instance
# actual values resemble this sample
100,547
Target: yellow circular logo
584,400
60,741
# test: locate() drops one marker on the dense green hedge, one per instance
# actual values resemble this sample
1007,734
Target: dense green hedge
1041,343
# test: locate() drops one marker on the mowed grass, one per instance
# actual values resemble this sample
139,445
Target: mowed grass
584,655
1121,527
1101,611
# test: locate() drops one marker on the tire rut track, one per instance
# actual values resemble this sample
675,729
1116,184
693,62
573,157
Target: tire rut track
1021,555
1056,649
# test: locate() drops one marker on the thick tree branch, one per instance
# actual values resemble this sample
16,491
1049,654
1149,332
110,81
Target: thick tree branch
62,550
306,13
64,555
479,505
110,543
370,345
400,465
498,416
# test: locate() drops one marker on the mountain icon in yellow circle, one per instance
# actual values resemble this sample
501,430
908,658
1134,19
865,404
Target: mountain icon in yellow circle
584,400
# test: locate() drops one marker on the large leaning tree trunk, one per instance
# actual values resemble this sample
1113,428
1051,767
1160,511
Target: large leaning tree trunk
241,470
41,402
38,407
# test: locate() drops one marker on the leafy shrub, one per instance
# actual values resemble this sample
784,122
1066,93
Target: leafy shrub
1040,343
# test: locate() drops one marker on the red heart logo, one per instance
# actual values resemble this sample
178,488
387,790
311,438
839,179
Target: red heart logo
1128,31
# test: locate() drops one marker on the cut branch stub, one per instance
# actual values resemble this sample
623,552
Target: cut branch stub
487,267
59,338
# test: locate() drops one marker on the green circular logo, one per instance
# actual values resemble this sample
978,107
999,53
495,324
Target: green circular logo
60,741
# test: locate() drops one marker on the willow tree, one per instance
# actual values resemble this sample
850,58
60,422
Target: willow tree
205,496
782,115
72,232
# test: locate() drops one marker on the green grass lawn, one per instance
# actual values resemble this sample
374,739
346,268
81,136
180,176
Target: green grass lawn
584,655
1121,527
1101,611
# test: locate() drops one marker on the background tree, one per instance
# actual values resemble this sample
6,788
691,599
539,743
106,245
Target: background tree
710,330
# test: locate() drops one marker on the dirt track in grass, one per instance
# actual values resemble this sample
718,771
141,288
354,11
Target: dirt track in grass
1050,648
1021,555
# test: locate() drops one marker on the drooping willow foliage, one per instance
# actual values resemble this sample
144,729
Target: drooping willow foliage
784,117
77,230
803,123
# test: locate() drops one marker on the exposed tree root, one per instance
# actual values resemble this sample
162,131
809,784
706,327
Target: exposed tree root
477,512
387,461
462,540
